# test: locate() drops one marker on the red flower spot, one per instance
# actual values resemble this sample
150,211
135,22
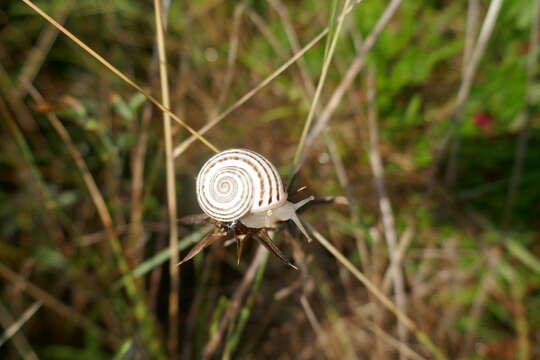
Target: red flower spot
483,120
523,49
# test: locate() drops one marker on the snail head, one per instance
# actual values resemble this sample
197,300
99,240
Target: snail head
269,218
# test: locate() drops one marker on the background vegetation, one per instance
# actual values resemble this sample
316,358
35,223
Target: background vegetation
422,132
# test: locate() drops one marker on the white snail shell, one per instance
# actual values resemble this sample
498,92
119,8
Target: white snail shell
239,184
236,182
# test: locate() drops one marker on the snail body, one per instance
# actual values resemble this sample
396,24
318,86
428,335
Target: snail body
242,185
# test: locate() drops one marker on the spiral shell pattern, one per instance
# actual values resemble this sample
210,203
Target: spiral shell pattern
236,182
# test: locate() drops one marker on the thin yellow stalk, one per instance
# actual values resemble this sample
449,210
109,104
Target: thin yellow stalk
118,73
171,187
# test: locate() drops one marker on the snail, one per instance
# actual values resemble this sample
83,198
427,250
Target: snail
242,193
241,185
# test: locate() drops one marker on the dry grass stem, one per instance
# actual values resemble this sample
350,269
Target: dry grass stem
471,32
136,230
353,204
391,341
268,35
404,243
477,309
316,326
470,69
19,340
283,13
17,325
160,13
232,54
385,205
478,52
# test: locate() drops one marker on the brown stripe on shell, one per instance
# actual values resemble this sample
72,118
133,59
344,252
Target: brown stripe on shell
275,175
255,157
273,171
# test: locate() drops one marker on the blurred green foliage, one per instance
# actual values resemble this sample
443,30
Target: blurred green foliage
53,236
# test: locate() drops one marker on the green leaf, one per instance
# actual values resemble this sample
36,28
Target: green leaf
523,255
